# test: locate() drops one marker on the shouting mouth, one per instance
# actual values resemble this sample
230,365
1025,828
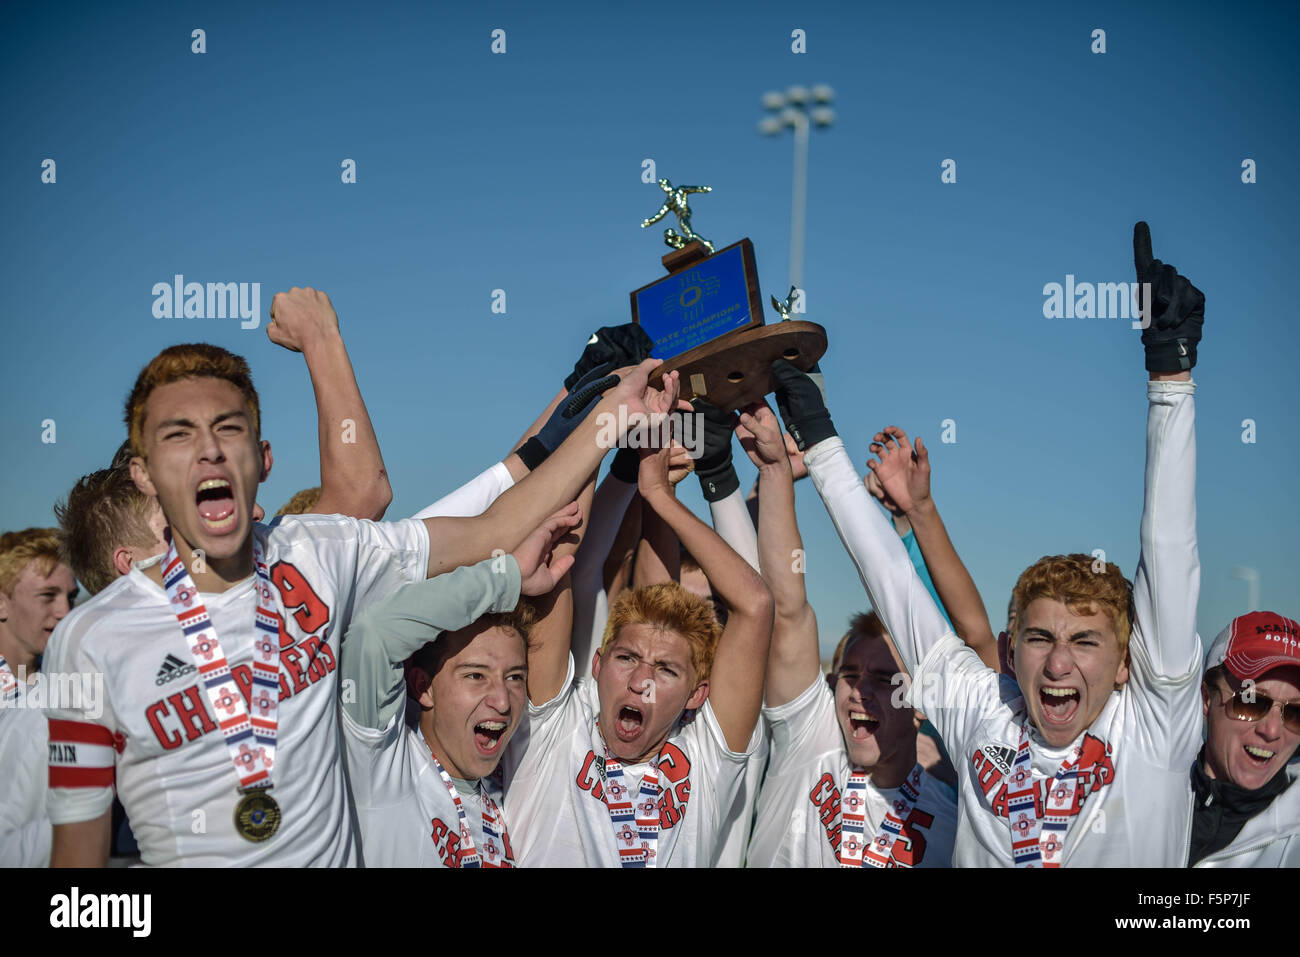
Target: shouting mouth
215,500
487,736
628,723
862,725
1059,704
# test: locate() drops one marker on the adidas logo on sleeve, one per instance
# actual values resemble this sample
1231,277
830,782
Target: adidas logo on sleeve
172,668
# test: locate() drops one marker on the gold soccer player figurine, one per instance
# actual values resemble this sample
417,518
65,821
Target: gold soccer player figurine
677,203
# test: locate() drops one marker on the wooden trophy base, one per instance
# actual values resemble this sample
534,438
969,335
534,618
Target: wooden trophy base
736,370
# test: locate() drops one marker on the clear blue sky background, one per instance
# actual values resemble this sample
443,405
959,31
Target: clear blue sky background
523,172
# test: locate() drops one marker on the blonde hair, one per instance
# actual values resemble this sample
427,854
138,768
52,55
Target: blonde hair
672,607
302,502
195,360
1070,579
18,549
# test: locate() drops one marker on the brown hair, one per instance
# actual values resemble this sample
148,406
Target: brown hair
1070,579
865,624
521,621
189,361
672,607
17,549
103,511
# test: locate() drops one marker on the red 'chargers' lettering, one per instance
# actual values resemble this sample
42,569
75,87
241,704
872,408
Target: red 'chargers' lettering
587,779
302,664
1095,771
676,769
825,796
447,841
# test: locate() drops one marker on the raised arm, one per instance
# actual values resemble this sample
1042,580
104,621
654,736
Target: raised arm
658,553
548,642
352,474
904,475
609,515
1168,580
736,680
794,661
893,588
554,483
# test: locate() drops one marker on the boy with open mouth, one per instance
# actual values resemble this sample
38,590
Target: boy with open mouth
248,746
423,791
612,770
1082,759
843,785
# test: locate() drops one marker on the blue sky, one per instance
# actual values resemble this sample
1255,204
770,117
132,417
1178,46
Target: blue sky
522,172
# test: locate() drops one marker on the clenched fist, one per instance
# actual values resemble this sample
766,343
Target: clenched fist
300,318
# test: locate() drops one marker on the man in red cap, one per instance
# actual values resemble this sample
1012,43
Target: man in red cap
1246,813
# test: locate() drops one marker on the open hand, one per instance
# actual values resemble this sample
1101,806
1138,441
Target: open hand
904,472
537,572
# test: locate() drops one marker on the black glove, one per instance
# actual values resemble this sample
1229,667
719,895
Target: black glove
610,348
802,408
717,475
1177,310
626,465
562,422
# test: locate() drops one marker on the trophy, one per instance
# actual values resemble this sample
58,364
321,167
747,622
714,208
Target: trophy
706,315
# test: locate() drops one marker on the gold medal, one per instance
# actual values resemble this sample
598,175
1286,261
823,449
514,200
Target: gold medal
257,816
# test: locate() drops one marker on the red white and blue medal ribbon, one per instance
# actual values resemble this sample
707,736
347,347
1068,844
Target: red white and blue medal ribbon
1035,842
494,828
8,683
636,829
250,739
854,851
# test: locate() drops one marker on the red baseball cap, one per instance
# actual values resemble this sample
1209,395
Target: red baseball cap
1255,643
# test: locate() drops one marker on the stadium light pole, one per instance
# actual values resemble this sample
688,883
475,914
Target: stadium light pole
798,109
1251,577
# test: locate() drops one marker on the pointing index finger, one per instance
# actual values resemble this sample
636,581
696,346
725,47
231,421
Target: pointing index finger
1142,257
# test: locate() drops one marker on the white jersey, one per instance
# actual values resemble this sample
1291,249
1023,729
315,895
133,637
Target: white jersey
406,815
798,823
1269,839
555,799
1130,807
156,738
25,833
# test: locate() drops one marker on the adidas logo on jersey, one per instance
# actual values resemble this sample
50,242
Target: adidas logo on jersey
172,668
1001,758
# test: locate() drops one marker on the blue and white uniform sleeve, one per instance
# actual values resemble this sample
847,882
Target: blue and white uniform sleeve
391,630
472,498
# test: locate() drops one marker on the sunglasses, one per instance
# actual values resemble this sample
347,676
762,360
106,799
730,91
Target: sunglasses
1250,705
